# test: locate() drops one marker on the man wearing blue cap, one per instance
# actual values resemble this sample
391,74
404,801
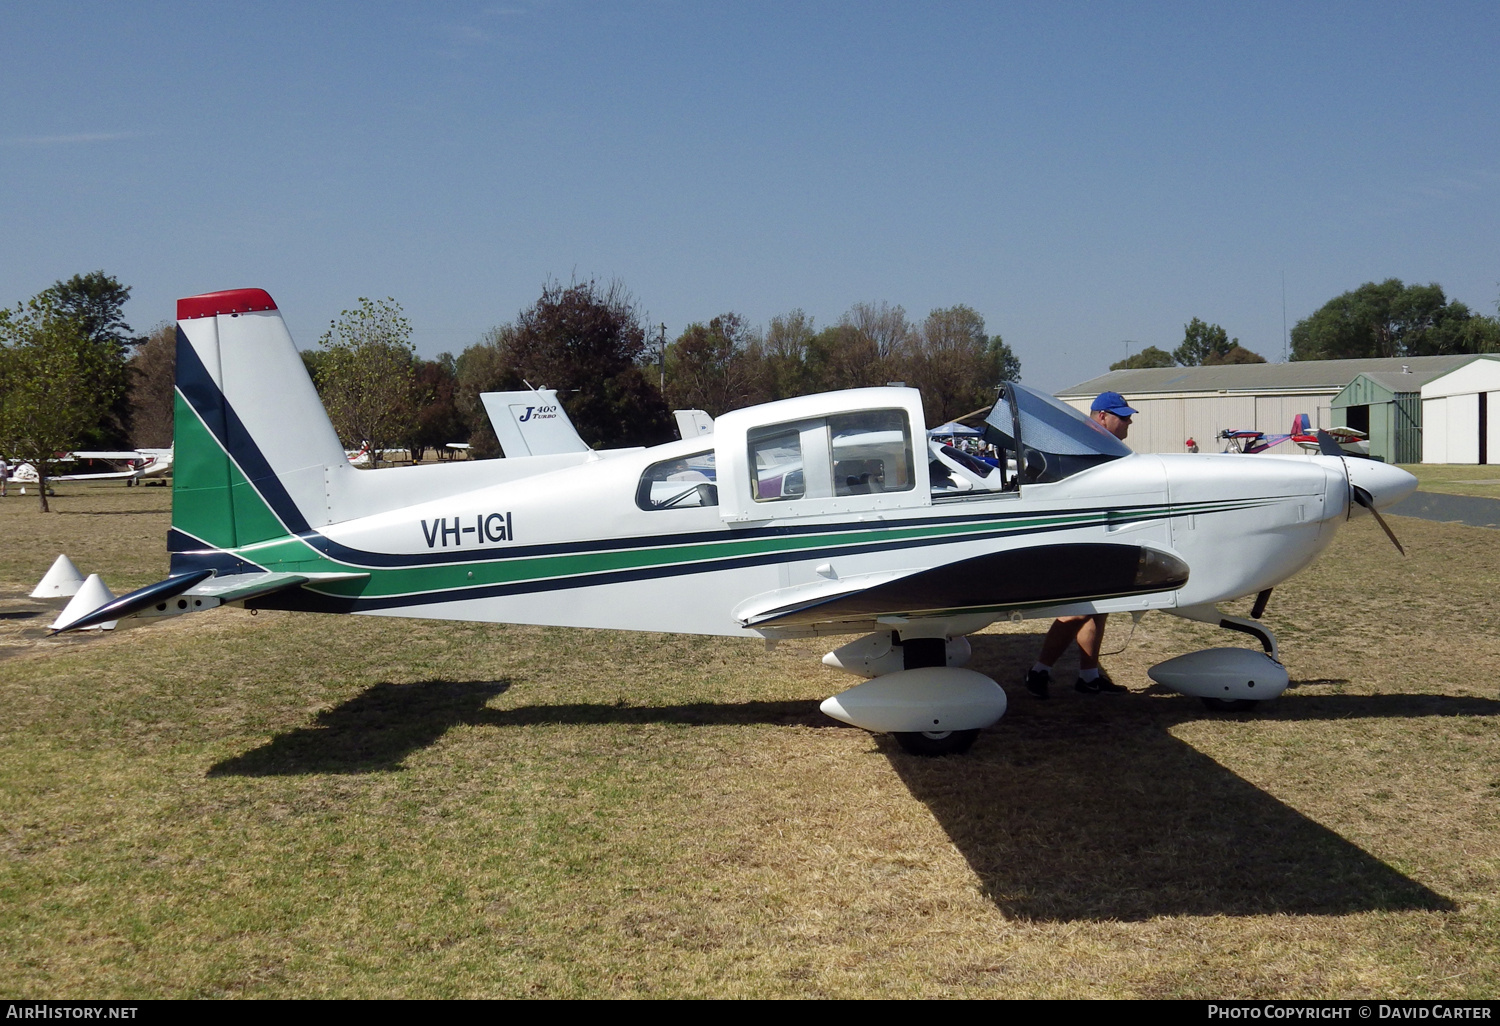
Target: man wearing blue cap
1113,414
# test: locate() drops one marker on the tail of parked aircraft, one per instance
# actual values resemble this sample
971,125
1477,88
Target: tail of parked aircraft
531,423
256,456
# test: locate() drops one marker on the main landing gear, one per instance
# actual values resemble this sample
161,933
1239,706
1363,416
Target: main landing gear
936,742
1227,679
917,692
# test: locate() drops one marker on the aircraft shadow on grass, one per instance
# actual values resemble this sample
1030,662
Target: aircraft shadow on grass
1091,810
377,729
1083,809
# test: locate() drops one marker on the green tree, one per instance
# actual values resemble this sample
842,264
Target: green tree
840,357
438,421
1006,364
715,367
96,301
1202,343
956,364
1151,356
367,376
586,341
870,345
56,385
483,367
1392,319
784,351
1235,354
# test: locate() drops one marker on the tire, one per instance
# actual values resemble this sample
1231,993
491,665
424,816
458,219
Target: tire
1231,704
944,742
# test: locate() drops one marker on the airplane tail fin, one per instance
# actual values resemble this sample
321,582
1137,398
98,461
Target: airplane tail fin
531,423
1301,424
255,456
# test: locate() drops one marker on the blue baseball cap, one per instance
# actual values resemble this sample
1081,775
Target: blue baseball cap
1112,402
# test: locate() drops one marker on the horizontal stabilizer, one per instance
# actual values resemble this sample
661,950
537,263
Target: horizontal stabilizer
240,587
93,613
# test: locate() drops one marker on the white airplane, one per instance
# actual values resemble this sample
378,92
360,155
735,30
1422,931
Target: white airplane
823,516
132,466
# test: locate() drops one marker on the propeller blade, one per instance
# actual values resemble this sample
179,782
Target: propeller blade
1368,502
1329,446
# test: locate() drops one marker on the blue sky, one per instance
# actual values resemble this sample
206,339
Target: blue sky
1080,174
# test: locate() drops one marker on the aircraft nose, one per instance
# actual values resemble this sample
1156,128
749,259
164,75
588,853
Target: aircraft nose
1386,484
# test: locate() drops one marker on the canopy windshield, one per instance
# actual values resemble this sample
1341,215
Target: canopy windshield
1055,440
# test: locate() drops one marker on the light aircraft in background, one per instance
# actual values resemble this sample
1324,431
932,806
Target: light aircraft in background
823,516
533,422
1353,441
361,457
132,466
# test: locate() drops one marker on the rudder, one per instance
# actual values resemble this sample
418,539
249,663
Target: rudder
255,452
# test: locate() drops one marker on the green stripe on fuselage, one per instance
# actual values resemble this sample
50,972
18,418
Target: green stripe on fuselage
494,567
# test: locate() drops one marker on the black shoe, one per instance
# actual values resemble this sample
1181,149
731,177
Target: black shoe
1100,685
1037,682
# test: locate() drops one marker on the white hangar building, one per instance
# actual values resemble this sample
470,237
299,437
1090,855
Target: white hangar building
1178,403
1461,414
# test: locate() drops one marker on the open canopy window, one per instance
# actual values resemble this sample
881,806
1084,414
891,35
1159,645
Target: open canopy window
1048,439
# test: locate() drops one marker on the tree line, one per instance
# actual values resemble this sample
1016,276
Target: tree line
1385,319
74,375
588,341
1203,345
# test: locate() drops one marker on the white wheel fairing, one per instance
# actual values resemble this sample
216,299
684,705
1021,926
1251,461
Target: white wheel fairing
931,699
1228,674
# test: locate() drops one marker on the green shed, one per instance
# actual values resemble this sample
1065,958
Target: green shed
1387,405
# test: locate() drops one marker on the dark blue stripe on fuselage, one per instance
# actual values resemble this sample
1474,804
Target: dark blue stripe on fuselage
311,601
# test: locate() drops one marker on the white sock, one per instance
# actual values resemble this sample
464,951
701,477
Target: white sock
1041,668
1089,676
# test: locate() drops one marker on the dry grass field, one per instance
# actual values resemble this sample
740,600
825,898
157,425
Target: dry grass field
1457,479
285,805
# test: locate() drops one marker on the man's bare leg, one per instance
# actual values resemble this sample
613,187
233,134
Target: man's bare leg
1091,679
1060,635
1091,641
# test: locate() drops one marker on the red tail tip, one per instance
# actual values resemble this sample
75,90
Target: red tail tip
233,301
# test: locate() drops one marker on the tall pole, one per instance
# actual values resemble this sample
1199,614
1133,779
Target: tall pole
1285,343
661,358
